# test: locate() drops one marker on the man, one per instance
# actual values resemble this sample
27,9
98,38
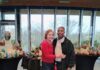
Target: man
64,46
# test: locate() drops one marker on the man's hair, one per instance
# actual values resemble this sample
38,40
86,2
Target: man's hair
61,27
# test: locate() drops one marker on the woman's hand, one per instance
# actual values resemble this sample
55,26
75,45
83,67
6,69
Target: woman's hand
68,68
63,56
59,56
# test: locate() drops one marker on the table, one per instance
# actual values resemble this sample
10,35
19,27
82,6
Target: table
34,64
9,64
85,62
31,63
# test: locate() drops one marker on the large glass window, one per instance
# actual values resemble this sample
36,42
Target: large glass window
73,28
86,26
61,19
24,30
7,25
43,19
35,30
48,22
39,24
9,16
10,28
97,30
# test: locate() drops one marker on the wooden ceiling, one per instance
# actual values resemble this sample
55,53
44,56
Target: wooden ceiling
71,3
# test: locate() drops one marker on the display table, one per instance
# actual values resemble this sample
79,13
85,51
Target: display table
34,64
9,64
30,63
85,62
25,62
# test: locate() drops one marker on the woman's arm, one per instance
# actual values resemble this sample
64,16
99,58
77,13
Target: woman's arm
45,51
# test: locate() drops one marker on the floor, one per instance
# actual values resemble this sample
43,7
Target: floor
96,67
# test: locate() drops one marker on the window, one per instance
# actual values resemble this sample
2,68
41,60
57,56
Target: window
86,26
61,19
7,25
10,28
73,28
97,30
9,16
24,30
48,22
35,30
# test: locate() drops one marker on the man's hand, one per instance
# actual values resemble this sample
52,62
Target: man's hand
63,56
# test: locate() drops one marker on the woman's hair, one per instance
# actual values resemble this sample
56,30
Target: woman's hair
46,33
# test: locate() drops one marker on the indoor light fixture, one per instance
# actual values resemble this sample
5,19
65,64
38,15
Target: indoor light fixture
64,1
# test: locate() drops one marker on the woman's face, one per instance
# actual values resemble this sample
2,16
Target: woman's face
50,36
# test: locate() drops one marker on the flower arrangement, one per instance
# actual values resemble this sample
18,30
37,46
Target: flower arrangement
35,53
10,52
85,50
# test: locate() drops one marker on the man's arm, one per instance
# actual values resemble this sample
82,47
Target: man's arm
72,56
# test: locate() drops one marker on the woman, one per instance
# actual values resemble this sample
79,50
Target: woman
48,52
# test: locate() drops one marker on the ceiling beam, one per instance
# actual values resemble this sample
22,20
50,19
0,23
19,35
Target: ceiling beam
71,3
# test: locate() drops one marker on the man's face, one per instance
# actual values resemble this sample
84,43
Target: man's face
60,32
